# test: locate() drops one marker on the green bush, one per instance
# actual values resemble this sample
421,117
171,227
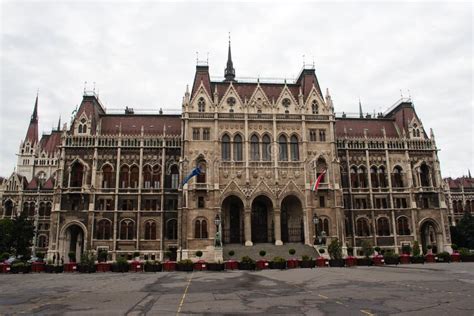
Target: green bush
305,258
121,261
390,254
199,253
185,262
444,256
279,260
72,256
416,249
18,264
102,256
247,259
136,254
168,254
429,247
406,249
292,251
231,253
262,253
335,249
377,249
464,252
4,256
88,258
321,251
454,247
367,248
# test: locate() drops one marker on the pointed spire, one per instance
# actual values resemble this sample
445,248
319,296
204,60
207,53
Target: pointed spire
361,115
469,173
59,123
229,72
32,133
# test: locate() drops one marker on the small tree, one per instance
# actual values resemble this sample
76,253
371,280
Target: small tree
416,249
72,256
102,256
136,254
367,248
231,253
377,249
406,249
335,249
292,251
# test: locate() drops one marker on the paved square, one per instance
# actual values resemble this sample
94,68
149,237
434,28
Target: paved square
409,290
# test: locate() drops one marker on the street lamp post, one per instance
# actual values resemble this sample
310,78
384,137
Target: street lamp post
217,221
315,222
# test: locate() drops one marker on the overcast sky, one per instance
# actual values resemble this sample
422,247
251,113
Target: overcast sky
143,55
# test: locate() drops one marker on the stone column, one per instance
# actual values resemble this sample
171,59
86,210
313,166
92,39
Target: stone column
248,227
277,222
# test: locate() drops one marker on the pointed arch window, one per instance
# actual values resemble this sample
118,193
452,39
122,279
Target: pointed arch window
42,209
383,227
104,229
42,241
124,177
8,207
134,176
323,226
321,166
107,177
238,148
382,177
402,226
200,229
425,175
266,148
314,107
77,175
225,147
373,177
172,229
201,178
150,230
362,175
354,179
254,148
397,177
363,229
283,145
201,105
127,230
294,148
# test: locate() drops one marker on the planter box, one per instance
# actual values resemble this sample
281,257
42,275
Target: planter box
201,265
455,257
378,260
278,265
37,267
246,266
351,261
336,263
5,268
430,258
154,267
419,259
307,264
469,258
120,268
262,264
322,262
70,267
169,266
392,260
405,258
231,265
215,266
20,269
103,267
292,263
364,261
85,268
184,267
136,266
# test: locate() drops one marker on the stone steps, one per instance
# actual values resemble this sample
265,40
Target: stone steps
272,251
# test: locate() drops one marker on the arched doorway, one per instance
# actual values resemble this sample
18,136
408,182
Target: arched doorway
292,229
232,220
429,236
262,224
72,242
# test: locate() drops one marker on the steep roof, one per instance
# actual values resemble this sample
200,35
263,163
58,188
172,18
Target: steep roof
355,127
32,132
466,182
130,124
50,142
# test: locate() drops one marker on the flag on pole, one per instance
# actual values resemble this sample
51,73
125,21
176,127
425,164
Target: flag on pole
318,181
195,172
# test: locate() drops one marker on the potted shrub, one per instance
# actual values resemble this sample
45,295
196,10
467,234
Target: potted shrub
466,255
136,255
321,261
367,251
307,262
262,263
430,257
417,256
121,265
247,263
350,259
185,265
391,257
231,264
335,253
40,256
200,264
148,266
4,256
443,257
72,256
405,256
20,267
87,264
292,262
49,267
455,256
278,263
102,255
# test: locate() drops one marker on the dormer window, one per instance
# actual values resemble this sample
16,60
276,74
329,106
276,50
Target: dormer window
416,131
82,128
201,105
286,102
314,107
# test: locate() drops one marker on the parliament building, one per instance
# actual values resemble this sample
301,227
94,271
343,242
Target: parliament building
115,180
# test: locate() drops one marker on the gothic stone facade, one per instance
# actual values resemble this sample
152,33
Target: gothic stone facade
114,180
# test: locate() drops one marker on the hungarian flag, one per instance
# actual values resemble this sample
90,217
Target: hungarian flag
318,181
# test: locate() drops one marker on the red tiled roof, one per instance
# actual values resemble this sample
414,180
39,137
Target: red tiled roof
466,182
131,124
49,184
246,90
33,184
32,133
51,142
356,127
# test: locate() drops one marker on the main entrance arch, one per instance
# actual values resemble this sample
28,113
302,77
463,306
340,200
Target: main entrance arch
232,220
429,236
291,220
72,241
262,220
